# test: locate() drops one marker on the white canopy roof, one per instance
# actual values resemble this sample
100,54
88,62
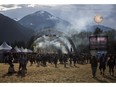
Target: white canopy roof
5,46
17,49
22,49
27,50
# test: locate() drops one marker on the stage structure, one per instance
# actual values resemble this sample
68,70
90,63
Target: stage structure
53,41
98,45
98,42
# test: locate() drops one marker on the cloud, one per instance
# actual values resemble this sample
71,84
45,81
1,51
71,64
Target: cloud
5,7
32,5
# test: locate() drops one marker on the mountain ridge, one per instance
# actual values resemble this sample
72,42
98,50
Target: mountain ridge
42,19
102,27
11,31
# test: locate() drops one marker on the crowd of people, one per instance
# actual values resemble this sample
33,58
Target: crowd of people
65,59
12,58
103,62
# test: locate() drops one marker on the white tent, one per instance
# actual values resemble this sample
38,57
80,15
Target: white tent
30,50
27,50
5,47
22,49
17,49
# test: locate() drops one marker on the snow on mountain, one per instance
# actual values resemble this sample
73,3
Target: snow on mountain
31,23
52,18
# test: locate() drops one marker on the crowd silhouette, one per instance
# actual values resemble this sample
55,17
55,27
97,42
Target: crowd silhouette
72,59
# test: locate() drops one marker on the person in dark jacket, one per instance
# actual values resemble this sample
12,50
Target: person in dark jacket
74,59
94,64
11,69
111,64
102,64
71,59
55,60
22,65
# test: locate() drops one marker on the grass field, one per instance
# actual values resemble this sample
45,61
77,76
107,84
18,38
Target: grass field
50,74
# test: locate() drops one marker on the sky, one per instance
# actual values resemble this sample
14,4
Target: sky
80,15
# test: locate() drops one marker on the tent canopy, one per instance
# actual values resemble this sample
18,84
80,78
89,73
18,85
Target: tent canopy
17,49
27,50
22,49
5,46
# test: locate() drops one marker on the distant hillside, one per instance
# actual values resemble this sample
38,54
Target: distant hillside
102,27
11,30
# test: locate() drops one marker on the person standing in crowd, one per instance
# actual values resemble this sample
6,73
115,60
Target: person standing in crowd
61,58
94,64
22,65
111,64
55,60
31,60
11,69
6,58
102,64
71,59
65,59
10,59
38,59
74,59
44,58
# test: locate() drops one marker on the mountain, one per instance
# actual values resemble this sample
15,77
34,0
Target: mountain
43,19
11,30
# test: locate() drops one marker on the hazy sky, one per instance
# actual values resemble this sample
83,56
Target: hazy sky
80,15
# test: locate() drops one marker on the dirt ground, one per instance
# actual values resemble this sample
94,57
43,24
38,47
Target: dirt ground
50,74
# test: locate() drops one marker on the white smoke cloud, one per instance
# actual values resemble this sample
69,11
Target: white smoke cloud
82,15
46,41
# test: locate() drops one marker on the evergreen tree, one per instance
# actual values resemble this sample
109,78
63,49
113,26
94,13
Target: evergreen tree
30,42
97,31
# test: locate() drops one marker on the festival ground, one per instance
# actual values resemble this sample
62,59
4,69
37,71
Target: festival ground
50,74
